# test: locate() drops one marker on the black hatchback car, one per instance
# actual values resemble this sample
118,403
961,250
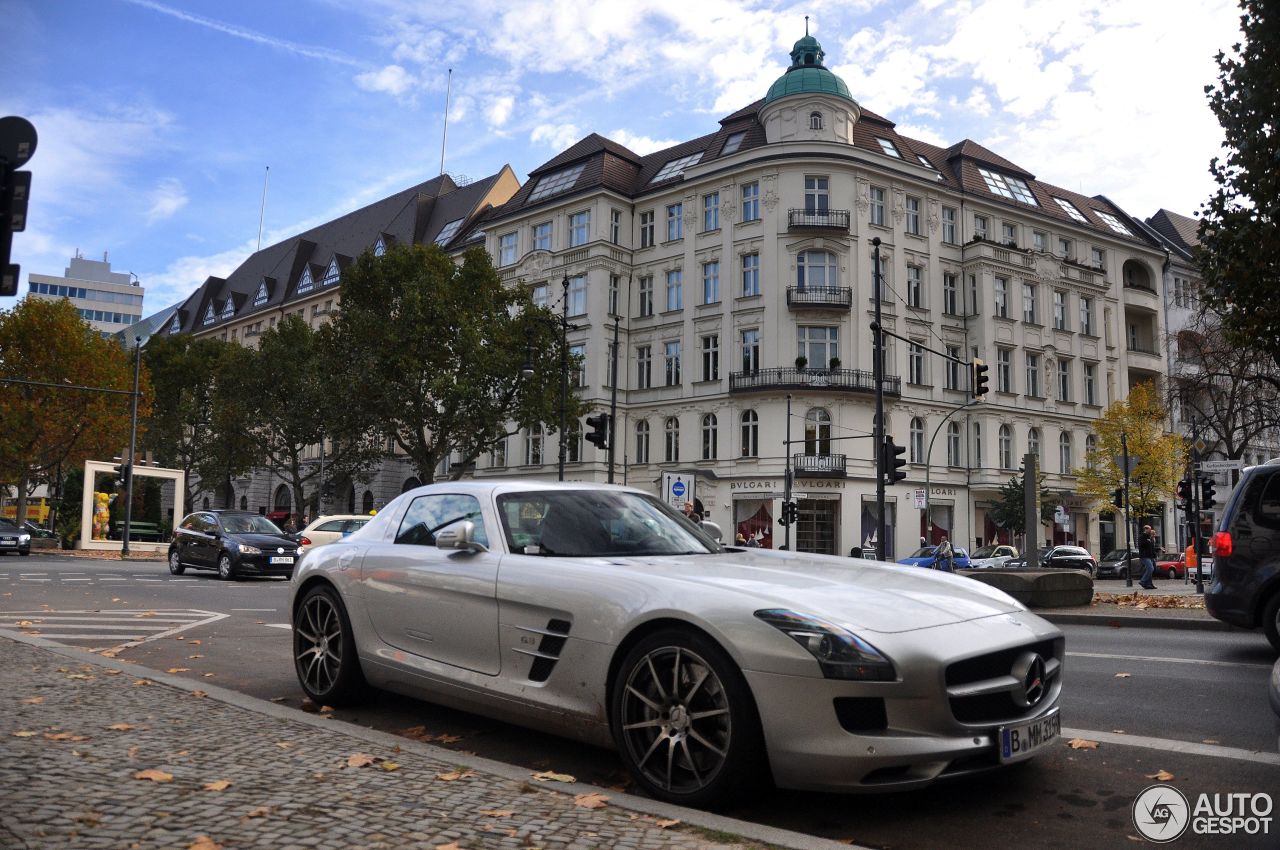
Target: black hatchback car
234,543
1245,588
1061,558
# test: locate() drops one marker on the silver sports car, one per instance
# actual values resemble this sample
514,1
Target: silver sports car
599,613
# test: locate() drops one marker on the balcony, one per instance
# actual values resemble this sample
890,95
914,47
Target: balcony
838,297
834,380
818,466
818,220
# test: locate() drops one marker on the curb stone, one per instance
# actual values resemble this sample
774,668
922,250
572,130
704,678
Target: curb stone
698,819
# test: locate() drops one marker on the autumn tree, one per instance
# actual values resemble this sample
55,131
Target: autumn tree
1239,252
199,419
430,354
1160,458
43,427
1009,508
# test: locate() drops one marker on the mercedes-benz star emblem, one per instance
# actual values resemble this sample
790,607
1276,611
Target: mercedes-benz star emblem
1029,670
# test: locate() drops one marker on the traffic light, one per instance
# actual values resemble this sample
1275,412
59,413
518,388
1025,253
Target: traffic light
980,382
1117,497
790,513
1183,491
122,473
17,144
599,435
1206,492
893,461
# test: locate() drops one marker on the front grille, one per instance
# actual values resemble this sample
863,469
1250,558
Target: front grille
982,689
999,663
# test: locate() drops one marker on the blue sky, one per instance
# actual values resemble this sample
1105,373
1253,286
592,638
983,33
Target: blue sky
158,118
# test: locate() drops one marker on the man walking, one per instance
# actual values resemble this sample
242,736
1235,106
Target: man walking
944,556
1147,556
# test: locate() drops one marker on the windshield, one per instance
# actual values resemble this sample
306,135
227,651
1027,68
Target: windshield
984,552
925,552
248,524
1071,550
596,523
1114,555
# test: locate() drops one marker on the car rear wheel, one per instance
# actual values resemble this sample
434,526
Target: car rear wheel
175,564
1271,620
226,571
684,720
324,650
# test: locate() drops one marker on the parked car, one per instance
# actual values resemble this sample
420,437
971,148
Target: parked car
1061,558
1172,565
925,557
989,557
1245,590
13,538
1206,568
38,532
1114,562
599,613
327,529
234,543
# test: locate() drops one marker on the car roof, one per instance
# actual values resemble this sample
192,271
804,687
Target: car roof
507,485
328,517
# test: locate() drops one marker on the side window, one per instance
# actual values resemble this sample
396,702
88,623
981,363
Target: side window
207,523
190,523
332,525
429,514
1267,514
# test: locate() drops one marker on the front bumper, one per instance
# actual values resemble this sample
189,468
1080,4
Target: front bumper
260,565
921,739
15,546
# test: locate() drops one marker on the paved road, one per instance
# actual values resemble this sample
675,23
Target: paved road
1201,692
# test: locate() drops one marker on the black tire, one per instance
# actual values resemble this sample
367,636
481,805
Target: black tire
324,649
1271,620
175,563
226,569
699,749
24,554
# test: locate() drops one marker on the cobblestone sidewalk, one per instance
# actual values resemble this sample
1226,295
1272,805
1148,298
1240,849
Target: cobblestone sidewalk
96,757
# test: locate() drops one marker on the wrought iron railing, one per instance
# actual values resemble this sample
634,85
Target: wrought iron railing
854,380
819,296
824,219
819,465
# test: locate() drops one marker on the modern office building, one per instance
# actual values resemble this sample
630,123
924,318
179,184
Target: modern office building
109,301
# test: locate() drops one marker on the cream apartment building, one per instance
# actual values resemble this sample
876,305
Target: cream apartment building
109,301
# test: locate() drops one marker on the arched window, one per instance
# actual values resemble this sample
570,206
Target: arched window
1090,448
750,434
1033,446
915,452
412,482
816,269
1006,447
642,441
815,120
953,444
817,432
672,440
533,446
281,501
366,502
977,446
1064,452
206,503
573,441
710,437
244,503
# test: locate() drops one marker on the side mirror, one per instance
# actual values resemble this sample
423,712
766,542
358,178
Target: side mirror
460,535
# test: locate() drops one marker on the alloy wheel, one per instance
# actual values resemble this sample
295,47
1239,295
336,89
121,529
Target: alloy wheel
175,563
675,720
225,571
318,644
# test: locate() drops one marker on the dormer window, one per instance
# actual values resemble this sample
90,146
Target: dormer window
306,284
557,182
332,273
261,297
676,167
209,317
448,232
1008,186
1112,222
889,147
733,142
815,120
176,325
379,247
228,309
1070,209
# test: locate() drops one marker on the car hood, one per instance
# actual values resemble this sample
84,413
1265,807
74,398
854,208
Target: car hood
265,541
865,595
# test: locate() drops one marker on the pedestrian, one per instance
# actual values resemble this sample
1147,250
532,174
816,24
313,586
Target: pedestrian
855,552
740,540
923,541
692,515
1190,558
944,554
1147,556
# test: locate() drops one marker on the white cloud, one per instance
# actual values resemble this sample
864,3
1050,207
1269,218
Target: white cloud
557,136
640,144
166,199
393,80
499,110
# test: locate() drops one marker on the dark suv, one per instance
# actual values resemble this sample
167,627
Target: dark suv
1245,590
234,543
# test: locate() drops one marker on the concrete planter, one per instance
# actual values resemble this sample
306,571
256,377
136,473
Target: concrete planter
1039,588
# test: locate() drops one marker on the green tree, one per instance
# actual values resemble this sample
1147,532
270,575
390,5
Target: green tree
43,427
1239,240
1009,509
293,411
200,416
1160,457
431,354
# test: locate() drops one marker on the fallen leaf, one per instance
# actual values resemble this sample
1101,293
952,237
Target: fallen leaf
65,736
133,753
218,785
142,681
452,845
284,745
189,657
193,642
308,706
552,776
208,675
260,812
178,670
110,653
389,766
200,694
278,699
1160,776
593,800
664,823
455,775
24,623
204,842
113,672
1210,741
360,760
154,775
497,813
120,727
25,734
78,676
1082,744
326,709
1122,675
33,701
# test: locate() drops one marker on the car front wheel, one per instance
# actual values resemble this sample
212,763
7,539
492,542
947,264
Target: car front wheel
175,563
324,649
684,720
1271,620
226,570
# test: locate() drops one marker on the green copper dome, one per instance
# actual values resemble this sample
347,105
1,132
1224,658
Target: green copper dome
807,75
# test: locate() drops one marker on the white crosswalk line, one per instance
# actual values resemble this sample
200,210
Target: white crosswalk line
116,630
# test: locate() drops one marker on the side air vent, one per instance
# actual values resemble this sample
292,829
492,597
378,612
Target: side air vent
549,648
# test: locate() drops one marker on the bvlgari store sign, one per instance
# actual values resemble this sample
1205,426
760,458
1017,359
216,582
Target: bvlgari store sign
758,488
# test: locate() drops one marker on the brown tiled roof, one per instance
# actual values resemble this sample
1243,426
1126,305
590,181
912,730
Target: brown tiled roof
972,150
584,147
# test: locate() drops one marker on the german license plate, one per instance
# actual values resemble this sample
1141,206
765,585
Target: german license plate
1024,739
8,541
281,559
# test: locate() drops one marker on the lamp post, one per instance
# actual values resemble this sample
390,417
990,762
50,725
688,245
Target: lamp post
133,446
878,428
527,372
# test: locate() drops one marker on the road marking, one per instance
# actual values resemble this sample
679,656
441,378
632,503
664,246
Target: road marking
118,630
1169,660
77,579
253,609
278,625
1169,745
36,579
33,574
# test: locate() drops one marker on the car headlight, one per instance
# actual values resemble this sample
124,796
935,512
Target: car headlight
840,653
249,550
24,538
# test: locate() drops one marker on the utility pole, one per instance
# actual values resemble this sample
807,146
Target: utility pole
133,446
564,374
1031,509
613,397
878,428
786,482
1128,535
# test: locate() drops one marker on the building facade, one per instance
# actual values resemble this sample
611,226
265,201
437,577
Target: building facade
737,272
109,301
